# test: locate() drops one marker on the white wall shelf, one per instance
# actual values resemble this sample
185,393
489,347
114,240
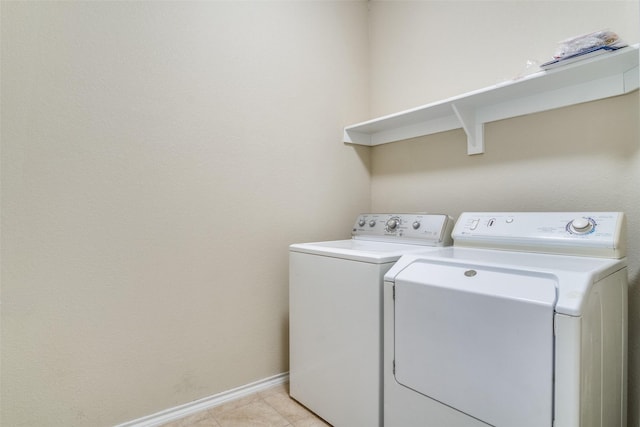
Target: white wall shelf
613,73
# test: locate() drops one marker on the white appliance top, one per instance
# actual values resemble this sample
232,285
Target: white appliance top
382,238
359,250
533,244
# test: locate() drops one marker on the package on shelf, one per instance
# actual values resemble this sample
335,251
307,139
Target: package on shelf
586,42
583,47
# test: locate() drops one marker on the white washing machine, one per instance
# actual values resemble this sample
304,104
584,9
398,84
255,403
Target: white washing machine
522,323
335,315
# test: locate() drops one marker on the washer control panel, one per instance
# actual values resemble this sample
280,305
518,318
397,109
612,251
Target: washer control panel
600,234
415,228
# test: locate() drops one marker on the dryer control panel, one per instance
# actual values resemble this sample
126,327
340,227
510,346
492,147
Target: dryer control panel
598,234
415,228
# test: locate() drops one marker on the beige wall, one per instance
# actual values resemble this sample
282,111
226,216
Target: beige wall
157,160
585,157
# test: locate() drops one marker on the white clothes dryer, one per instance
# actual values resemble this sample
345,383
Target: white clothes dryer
523,322
335,315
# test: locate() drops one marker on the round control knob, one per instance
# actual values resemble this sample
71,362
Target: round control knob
392,223
581,225
416,225
372,223
362,222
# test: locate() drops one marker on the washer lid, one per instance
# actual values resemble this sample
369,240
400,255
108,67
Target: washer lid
360,250
478,339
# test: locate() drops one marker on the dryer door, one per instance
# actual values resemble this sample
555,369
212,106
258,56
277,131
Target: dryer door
478,339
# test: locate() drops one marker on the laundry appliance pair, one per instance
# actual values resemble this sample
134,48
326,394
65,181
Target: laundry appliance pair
523,322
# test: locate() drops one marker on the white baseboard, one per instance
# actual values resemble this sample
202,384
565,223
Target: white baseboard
190,408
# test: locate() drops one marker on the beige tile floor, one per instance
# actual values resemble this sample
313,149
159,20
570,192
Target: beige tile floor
269,408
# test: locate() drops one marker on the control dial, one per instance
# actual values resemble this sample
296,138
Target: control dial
361,222
372,223
581,226
392,223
